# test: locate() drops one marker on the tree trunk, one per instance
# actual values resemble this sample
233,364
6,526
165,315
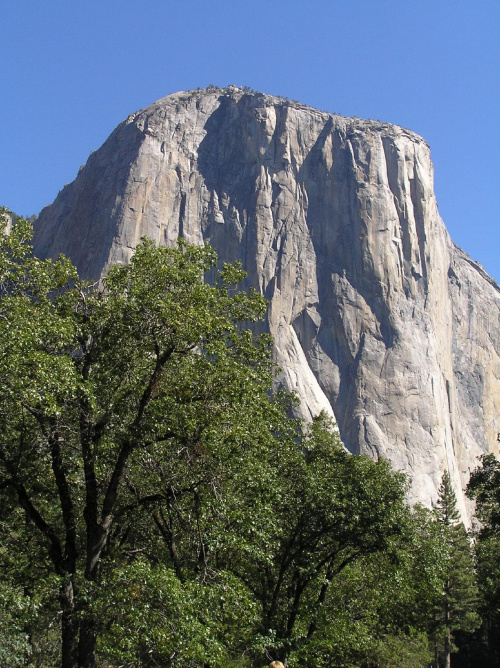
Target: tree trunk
69,626
447,652
96,540
88,641
447,621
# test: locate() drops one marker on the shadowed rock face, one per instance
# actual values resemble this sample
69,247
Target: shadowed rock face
377,317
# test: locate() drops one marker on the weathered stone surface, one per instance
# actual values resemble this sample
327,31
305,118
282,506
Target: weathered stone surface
377,317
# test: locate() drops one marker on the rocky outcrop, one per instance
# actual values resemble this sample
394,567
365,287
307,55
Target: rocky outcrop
377,317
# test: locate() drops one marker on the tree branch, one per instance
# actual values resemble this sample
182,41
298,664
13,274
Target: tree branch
128,446
65,499
54,548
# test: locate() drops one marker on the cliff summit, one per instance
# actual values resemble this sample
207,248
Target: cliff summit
377,317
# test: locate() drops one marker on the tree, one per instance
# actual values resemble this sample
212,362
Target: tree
332,510
96,382
456,608
377,610
484,488
158,505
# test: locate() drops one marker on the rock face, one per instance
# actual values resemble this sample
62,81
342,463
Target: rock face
377,317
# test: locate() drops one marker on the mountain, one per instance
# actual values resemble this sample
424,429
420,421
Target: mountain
378,318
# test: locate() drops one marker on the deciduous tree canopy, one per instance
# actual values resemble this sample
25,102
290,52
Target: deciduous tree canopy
159,505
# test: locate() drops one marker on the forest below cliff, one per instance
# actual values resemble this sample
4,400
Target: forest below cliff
160,506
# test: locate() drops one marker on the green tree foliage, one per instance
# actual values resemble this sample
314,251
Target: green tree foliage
484,487
14,646
158,505
98,383
319,531
456,608
377,611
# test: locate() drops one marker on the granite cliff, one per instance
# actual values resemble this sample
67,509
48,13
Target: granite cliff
377,316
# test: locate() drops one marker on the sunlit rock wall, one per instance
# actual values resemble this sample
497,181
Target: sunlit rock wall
377,317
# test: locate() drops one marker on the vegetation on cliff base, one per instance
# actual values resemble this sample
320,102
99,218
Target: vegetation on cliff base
159,507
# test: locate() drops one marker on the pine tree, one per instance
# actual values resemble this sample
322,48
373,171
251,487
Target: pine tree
456,607
484,488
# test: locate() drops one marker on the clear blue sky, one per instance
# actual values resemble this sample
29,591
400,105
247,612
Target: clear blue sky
71,70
